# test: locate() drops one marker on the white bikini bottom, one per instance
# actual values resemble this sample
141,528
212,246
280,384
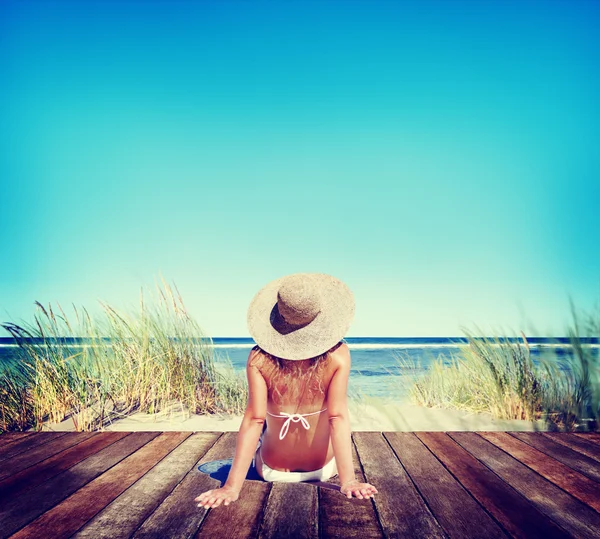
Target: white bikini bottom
322,474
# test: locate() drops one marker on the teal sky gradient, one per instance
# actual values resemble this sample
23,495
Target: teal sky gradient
439,157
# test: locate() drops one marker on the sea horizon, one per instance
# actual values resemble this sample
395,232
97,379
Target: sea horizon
392,341
380,365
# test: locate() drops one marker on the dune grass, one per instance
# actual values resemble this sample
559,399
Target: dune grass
156,359
144,360
498,376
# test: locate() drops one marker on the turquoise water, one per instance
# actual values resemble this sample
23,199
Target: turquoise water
381,366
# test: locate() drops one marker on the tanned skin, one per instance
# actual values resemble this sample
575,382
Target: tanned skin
301,450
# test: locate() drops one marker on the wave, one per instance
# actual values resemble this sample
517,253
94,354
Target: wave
397,346
351,346
237,345
400,346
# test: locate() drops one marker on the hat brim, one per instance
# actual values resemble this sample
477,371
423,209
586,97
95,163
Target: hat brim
314,339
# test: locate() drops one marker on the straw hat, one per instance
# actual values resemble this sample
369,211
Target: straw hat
300,316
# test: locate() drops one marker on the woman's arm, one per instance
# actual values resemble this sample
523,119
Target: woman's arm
247,440
252,425
339,422
339,417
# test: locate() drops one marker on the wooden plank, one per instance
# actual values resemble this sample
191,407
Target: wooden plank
401,509
291,512
71,514
241,519
28,443
571,514
560,474
511,509
583,464
178,515
20,510
588,448
42,452
35,475
591,436
453,507
10,437
127,512
343,517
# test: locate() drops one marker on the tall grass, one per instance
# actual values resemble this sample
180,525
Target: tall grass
493,375
498,376
584,371
146,360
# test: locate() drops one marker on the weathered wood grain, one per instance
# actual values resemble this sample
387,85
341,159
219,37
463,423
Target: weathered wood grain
571,514
343,517
453,507
20,510
456,484
511,509
240,519
178,515
37,454
560,474
35,475
28,443
401,509
68,516
10,437
586,447
291,512
126,513
591,436
575,460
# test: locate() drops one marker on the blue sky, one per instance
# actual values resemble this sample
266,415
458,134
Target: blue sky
439,157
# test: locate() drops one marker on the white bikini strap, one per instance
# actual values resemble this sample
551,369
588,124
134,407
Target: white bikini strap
295,418
286,414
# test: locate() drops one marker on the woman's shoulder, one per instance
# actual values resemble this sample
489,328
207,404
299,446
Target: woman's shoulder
256,356
340,353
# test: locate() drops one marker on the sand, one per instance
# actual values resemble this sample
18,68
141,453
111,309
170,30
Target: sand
363,417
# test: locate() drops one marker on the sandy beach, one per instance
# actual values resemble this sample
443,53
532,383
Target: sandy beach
363,417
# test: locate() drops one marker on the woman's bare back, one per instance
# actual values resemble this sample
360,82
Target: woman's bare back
301,449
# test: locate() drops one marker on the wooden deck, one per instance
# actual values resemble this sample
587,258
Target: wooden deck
431,484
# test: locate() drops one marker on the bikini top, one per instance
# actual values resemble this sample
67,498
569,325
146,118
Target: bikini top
295,418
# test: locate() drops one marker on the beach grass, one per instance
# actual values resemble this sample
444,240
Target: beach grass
144,360
156,359
497,375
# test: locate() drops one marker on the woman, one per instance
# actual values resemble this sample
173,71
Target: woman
297,423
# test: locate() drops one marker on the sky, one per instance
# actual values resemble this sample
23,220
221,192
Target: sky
440,158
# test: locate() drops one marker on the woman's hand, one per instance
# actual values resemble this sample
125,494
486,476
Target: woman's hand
214,497
358,489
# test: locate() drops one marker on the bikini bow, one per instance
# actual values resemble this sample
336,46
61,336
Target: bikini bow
295,418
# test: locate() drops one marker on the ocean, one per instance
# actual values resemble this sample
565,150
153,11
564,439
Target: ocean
384,366
381,366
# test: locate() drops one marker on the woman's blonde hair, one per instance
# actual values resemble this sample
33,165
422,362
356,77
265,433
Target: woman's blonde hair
275,369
